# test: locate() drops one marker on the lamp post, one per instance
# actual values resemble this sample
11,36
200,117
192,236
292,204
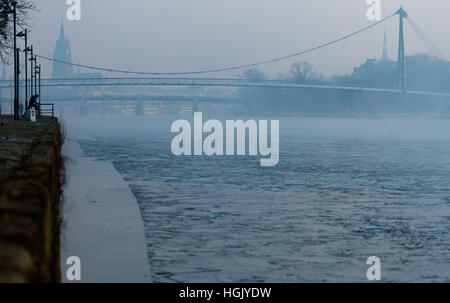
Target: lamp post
16,67
27,50
25,35
37,75
16,97
39,92
32,59
36,68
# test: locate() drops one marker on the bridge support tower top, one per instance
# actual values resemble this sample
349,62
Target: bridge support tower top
401,63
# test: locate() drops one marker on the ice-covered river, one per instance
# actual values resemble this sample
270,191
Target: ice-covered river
344,190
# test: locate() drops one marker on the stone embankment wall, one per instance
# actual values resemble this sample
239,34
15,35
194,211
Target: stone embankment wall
31,170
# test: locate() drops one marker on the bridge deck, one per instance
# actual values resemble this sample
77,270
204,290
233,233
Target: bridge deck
217,82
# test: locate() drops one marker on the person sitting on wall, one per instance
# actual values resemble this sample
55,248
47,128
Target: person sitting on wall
33,102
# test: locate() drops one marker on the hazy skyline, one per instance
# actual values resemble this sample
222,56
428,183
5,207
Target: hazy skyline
184,35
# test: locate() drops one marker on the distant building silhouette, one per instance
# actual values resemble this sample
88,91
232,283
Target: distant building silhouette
376,72
62,52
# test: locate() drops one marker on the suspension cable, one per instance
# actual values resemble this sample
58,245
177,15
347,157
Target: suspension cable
239,67
425,39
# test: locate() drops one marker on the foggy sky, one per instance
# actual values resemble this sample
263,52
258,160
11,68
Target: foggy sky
182,35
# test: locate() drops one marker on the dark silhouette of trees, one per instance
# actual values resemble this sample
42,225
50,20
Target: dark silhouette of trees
303,72
24,8
254,74
424,73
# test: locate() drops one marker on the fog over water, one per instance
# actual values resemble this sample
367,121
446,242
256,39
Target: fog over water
364,167
344,189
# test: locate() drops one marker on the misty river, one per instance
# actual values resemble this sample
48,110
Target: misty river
344,189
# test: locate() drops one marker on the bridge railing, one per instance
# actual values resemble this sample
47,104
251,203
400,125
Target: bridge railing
47,109
224,82
162,80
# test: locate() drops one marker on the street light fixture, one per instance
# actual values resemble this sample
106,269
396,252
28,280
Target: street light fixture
24,34
27,50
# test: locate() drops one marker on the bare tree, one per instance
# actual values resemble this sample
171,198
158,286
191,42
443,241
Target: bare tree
254,74
302,72
23,7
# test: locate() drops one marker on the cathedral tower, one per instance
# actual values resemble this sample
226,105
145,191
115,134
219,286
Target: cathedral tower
62,52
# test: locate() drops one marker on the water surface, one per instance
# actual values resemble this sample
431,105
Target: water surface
344,190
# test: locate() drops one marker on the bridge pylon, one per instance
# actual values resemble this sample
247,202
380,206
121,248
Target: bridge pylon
401,63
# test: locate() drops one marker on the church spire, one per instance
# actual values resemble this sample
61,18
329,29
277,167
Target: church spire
385,56
62,52
61,30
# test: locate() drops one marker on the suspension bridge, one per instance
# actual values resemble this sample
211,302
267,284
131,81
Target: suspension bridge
180,79
221,82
